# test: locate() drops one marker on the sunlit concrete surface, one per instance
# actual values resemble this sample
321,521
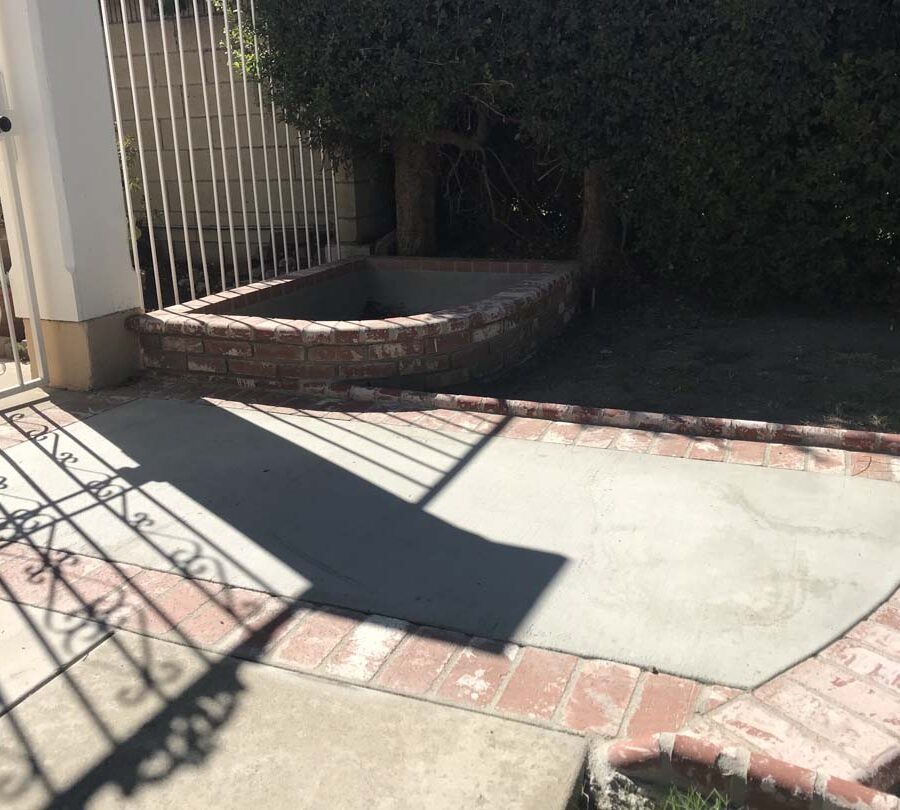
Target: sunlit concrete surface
720,572
147,724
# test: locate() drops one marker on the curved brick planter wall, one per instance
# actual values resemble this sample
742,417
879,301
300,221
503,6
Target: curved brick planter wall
207,339
746,778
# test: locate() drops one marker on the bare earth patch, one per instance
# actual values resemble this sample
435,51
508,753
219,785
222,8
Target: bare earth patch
671,357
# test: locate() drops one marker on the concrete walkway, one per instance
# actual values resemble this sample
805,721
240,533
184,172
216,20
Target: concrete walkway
724,573
484,526
149,724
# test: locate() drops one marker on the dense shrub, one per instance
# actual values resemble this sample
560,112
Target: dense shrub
751,147
412,77
748,150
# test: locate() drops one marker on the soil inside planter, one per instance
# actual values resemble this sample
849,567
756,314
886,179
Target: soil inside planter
669,356
384,293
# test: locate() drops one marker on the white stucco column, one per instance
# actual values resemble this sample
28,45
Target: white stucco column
56,92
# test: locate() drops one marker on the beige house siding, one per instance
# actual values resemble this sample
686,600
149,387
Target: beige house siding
362,186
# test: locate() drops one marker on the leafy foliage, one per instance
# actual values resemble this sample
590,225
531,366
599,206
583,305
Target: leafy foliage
353,71
754,146
692,799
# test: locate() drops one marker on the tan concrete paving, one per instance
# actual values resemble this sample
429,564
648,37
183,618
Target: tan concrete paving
35,644
725,573
147,724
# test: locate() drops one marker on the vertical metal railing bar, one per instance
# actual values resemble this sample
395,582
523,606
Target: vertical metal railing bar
325,207
209,136
177,147
190,142
278,177
305,208
337,227
123,157
241,54
240,162
157,138
262,134
154,259
8,314
14,213
240,28
290,163
315,201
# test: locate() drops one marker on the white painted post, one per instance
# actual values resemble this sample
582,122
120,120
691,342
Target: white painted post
54,75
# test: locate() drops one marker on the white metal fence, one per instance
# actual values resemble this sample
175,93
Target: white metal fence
219,191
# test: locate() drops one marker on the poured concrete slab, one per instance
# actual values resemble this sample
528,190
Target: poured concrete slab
146,724
35,645
716,571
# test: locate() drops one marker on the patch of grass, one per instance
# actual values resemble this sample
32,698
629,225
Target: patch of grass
694,800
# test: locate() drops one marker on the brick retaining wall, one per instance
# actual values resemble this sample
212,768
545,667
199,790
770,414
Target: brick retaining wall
205,339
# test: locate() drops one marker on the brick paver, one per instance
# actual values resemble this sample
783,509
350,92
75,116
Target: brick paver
709,449
635,441
671,444
415,667
478,672
788,457
600,697
522,428
562,433
664,703
362,653
537,685
763,729
753,453
836,724
313,639
838,711
597,436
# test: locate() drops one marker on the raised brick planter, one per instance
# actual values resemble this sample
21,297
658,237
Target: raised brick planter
207,338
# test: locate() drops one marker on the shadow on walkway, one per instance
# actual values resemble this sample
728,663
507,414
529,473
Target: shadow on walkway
313,509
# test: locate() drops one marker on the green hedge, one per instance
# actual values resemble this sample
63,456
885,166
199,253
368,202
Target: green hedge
755,144
752,147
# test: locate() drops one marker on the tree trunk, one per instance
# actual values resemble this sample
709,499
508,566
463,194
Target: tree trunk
599,237
415,193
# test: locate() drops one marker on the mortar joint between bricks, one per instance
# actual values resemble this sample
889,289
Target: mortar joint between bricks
504,681
736,742
871,647
557,717
820,782
704,691
444,674
699,691
409,632
633,703
733,763
300,614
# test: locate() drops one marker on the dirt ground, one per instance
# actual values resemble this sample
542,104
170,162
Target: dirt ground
671,357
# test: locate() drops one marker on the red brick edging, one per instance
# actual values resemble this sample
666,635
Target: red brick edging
706,426
744,777
836,711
